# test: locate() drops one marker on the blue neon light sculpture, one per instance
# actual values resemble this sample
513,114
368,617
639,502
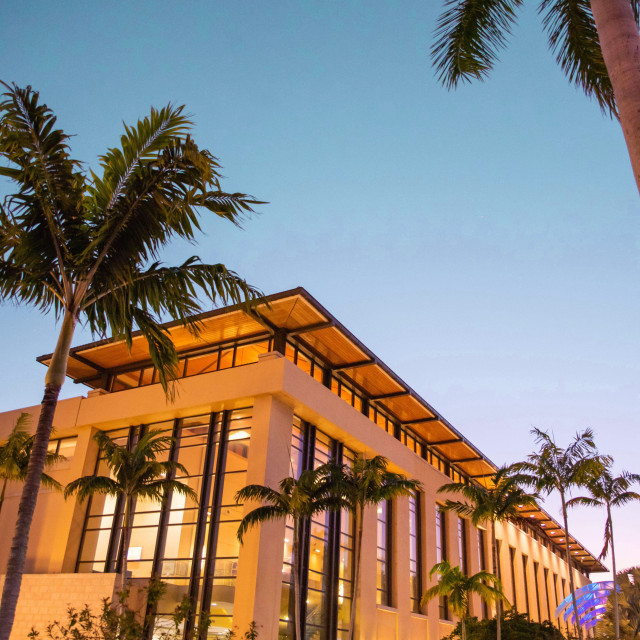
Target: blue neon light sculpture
591,601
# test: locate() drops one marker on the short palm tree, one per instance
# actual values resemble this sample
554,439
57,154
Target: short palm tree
134,474
498,502
367,482
458,588
608,491
14,457
554,469
296,498
596,43
85,247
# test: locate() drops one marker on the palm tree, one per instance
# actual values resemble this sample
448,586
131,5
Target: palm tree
296,498
86,247
135,474
458,588
553,468
498,502
608,491
595,42
14,457
368,483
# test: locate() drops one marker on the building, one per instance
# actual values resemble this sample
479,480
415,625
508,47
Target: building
263,394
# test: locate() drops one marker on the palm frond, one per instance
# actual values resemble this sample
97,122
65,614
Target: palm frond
573,38
257,493
258,516
469,34
87,486
48,204
584,501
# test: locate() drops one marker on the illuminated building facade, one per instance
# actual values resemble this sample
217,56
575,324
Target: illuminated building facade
263,394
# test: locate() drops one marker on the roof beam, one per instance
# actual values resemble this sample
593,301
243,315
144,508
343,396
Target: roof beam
354,365
421,421
474,459
83,360
386,396
316,326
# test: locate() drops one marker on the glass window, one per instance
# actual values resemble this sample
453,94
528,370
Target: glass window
525,579
482,563
415,551
384,555
441,554
462,545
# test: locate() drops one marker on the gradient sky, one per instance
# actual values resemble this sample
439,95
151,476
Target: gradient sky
483,242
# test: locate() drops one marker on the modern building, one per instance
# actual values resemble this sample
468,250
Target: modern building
263,394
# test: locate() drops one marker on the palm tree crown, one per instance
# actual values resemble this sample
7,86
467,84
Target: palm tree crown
86,247
553,468
14,457
458,588
595,42
498,502
608,491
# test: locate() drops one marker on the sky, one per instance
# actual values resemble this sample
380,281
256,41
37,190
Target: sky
482,242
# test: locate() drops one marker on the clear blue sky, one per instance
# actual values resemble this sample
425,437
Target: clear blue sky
483,242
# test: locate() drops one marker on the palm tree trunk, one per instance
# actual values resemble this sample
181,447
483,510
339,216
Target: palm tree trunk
126,541
295,577
464,628
357,550
615,574
496,572
4,487
568,557
620,44
54,380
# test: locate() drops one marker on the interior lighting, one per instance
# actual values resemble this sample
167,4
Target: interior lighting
238,435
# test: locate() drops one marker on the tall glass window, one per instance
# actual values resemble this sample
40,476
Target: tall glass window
384,554
525,579
191,545
514,591
326,546
546,593
482,563
536,571
462,545
441,554
415,550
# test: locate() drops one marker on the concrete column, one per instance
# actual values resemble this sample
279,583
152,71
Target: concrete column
259,581
400,597
366,605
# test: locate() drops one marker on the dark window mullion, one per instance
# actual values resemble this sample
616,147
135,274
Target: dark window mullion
214,520
334,558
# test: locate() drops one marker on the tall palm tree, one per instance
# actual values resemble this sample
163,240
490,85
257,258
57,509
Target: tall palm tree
498,502
135,474
554,469
458,588
595,42
14,457
608,491
299,499
367,482
85,247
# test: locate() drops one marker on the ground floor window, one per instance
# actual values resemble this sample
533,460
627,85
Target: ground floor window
191,546
326,549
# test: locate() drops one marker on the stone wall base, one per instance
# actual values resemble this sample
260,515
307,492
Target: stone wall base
45,598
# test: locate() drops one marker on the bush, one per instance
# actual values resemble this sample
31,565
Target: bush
515,626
